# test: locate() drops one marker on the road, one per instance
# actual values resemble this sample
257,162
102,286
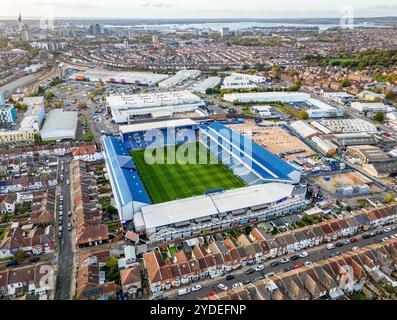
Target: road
66,244
315,254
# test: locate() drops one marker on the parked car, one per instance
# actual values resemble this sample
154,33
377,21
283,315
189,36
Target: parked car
236,285
295,257
297,266
388,229
339,244
284,260
269,274
287,268
274,264
304,254
330,246
355,248
307,263
197,287
222,287
249,271
34,260
183,291
259,267
353,240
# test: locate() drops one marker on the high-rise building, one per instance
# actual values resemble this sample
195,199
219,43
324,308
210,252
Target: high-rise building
26,34
224,32
96,29
155,39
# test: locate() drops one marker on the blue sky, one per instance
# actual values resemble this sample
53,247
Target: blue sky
195,8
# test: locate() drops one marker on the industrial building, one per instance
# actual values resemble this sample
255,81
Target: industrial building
371,107
316,108
125,108
326,146
59,125
254,97
203,86
304,129
320,109
344,126
125,77
242,81
180,77
371,96
263,111
355,139
339,97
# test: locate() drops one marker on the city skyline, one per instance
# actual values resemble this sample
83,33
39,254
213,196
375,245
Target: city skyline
190,9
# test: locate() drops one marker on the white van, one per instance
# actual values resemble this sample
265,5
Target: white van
183,291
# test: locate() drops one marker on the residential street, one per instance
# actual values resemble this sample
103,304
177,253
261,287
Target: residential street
66,244
315,254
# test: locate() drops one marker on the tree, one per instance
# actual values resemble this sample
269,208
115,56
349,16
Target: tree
112,269
390,95
303,115
20,255
379,116
345,82
389,198
58,104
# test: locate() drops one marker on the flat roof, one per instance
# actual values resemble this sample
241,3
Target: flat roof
59,120
177,211
156,125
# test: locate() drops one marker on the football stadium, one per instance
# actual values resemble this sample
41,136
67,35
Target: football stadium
170,177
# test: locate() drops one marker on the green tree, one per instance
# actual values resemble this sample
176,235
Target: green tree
379,116
389,198
303,115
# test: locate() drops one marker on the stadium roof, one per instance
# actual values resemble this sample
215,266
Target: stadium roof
127,183
156,125
261,161
178,211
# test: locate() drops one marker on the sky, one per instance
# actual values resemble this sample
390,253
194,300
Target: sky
143,9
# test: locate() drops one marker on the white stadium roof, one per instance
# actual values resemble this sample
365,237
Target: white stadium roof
156,125
178,211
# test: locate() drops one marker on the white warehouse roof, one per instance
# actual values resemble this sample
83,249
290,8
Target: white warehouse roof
156,125
267,97
59,125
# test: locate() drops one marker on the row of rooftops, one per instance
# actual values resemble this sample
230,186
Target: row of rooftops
324,278
88,217
18,281
30,151
260,243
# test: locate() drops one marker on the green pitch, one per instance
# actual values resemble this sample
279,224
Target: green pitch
167,182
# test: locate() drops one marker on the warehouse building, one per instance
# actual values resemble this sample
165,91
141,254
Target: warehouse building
137,78
371,96
371,107
209,83
317,108
285,97
339,97
180,77
328,126
59,125
126,108
325,145
304,129
355,139
242,81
